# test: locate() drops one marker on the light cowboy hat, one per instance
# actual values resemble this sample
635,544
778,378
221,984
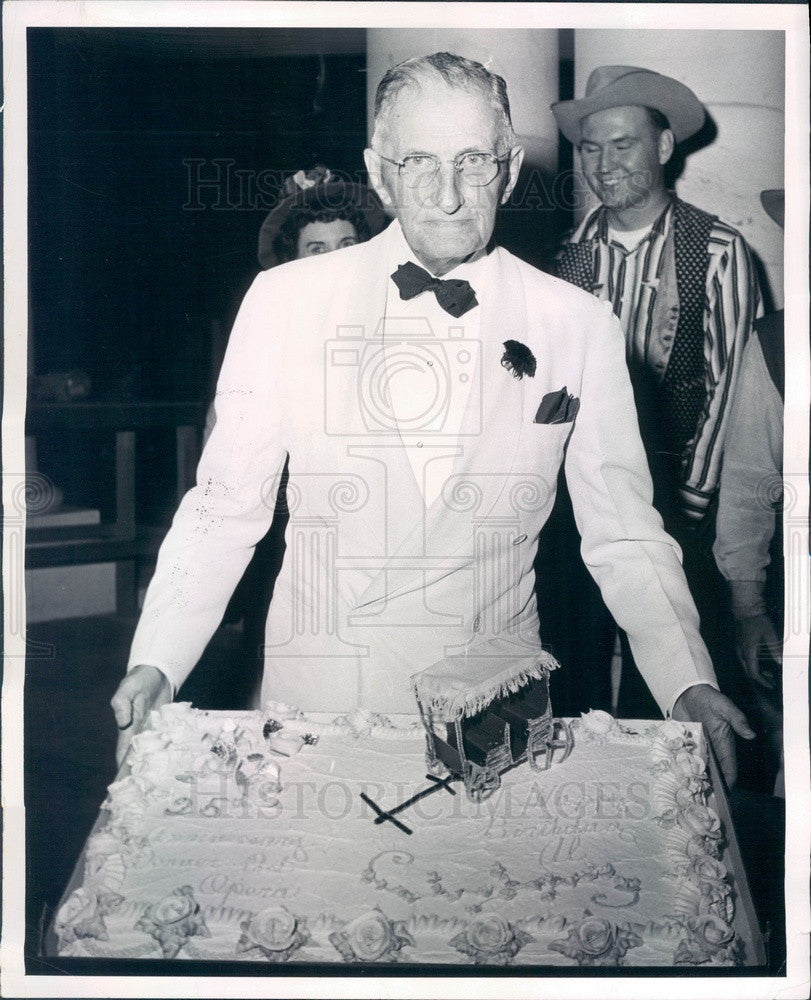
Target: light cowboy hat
318,189
618,86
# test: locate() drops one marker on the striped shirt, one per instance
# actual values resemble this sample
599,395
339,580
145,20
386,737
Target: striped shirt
630,281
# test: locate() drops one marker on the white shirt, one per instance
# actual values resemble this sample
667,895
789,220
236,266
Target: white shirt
629,238
432,368
631,241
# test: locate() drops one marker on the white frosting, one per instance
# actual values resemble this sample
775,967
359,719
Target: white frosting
253,825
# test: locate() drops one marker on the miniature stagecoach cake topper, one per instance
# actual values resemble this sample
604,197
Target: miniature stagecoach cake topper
485,712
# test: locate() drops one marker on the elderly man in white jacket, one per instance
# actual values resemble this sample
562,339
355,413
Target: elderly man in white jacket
427,387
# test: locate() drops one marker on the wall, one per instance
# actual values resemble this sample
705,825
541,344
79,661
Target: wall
154,158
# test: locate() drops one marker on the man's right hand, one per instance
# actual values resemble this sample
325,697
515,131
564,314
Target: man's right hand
757,645
143,689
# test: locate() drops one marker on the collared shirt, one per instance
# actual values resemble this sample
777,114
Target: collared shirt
629,287
430,370
630,280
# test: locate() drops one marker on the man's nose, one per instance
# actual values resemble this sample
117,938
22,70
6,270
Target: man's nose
608,159
447,193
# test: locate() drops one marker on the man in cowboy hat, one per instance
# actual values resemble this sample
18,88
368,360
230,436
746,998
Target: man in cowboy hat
682,284
427,387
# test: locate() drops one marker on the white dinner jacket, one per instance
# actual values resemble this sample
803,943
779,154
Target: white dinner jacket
375,587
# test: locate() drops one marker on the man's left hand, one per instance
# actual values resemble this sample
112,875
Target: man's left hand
754,637
719,716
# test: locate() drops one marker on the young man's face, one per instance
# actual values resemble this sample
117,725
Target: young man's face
623,156
445,220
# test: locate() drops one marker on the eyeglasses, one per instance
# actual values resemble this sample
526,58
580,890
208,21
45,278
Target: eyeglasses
475,168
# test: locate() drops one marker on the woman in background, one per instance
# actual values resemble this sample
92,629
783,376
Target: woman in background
318,213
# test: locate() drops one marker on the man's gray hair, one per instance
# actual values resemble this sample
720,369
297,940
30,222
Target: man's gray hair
453,70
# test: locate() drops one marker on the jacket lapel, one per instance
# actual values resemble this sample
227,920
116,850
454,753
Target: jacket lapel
378,458
492,427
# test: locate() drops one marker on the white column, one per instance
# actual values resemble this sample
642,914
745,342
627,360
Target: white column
739,77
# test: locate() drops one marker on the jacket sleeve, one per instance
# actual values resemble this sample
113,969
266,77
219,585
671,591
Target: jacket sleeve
230,508
751,481
731,307
624,545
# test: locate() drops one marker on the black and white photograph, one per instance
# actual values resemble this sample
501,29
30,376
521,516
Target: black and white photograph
405,499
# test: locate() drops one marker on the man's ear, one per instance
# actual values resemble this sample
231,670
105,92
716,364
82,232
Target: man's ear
374,166
666,145
513,170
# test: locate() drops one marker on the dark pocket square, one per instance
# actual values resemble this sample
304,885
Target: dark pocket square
557,408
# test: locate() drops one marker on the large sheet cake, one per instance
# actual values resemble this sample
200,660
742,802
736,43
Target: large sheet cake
251,837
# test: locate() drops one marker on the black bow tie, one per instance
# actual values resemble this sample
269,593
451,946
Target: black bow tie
454,295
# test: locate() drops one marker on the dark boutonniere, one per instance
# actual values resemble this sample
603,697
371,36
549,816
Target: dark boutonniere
518,359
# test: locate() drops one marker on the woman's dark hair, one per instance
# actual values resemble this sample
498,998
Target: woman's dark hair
285,245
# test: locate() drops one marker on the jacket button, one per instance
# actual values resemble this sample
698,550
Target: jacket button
477,623
521,538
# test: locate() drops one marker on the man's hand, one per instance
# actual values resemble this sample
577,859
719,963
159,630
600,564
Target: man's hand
143,689
719,716
755,637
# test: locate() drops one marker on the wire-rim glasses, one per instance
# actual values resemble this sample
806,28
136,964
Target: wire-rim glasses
477,167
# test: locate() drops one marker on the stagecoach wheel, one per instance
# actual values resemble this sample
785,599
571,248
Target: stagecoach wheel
481,783
564,741
559,738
